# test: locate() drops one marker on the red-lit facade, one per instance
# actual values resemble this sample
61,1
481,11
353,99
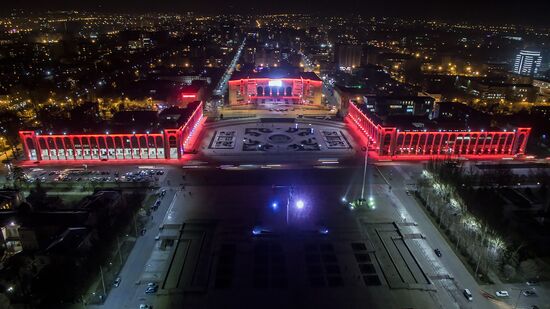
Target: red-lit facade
391,143
191,94
302,88
169,144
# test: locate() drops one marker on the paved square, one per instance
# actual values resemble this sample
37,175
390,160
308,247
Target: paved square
249,137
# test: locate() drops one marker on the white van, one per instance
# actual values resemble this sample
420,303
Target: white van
468,294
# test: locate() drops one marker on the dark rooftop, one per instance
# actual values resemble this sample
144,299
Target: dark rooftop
421,123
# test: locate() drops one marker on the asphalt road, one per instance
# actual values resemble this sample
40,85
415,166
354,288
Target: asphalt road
130,293
398,176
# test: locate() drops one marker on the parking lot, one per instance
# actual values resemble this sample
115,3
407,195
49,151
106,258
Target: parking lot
99,174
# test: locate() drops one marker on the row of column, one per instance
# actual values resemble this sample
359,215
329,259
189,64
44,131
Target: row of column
390,142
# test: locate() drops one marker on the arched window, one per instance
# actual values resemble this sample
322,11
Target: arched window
172,142
160,142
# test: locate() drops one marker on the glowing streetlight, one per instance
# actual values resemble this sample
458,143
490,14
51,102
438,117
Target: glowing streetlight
300,204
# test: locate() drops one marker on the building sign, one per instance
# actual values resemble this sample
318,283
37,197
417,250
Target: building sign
275,83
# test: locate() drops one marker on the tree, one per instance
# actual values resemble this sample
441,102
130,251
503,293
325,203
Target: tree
37,196
18,175
4,301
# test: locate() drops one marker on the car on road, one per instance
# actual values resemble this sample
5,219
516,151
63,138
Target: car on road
144,306
152,287
258,230
528,293
532,282
116,283
502,294
438,252
468,294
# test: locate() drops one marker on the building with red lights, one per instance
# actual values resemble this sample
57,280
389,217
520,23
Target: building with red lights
191,93
410,142
165,136
275,87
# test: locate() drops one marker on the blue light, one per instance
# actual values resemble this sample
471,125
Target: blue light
344,199
256,231
274,205
300,204
323,231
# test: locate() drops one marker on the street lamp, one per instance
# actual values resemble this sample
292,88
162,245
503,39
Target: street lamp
300,204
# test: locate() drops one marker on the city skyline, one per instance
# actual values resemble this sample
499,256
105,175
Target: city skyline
242,159
529,13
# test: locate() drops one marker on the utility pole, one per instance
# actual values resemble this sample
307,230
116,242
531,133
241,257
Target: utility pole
517,300
364,172
119,253
102,280
135,225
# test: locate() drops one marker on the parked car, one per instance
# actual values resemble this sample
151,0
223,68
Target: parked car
532,282
116,283
528,293
468,294
152,287
502,294
438,252
144,306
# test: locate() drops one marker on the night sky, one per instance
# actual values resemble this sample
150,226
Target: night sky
520,11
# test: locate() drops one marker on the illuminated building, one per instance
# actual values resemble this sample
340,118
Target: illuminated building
192,93
399,105
343,95
269,87
174,129
527,63
418,142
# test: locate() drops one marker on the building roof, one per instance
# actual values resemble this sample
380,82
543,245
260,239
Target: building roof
175,117
359,90
399,98
421,123
275,74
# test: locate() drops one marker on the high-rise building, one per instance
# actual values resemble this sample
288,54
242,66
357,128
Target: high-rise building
348,56
528,63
